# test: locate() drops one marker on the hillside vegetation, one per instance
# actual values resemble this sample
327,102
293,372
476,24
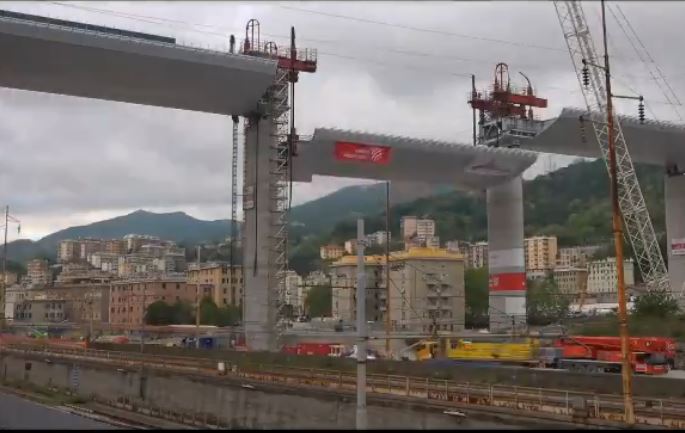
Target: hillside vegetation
571,203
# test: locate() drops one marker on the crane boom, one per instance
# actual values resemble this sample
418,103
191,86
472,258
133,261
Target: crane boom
636,217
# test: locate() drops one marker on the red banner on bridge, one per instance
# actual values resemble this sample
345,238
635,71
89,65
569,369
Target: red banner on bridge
346,151
508,281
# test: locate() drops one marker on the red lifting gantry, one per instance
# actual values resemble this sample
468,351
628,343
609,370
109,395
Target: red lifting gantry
289,58
503,101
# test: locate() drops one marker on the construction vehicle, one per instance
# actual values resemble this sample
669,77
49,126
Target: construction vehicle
523,352
649,355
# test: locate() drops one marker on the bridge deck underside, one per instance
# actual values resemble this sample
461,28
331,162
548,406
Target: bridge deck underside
424,161
656,143
59,60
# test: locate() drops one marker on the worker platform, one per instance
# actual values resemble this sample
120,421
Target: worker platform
56,56
334,152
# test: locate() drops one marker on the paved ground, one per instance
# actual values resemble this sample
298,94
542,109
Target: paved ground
18,413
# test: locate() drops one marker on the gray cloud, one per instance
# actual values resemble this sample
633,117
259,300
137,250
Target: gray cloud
67,160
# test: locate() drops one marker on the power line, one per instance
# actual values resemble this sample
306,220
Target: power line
424,30
658,69
224,30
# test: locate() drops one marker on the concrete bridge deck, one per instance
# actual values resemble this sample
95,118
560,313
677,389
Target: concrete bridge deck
73,61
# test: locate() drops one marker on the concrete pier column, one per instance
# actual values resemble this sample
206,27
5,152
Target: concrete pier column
674,190
259,317
505,256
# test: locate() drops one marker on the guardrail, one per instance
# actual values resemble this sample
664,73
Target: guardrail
547,403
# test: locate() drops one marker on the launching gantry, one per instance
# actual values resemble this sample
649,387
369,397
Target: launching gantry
503,102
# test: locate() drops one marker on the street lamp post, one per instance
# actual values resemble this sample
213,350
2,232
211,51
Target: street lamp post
362,335
197,301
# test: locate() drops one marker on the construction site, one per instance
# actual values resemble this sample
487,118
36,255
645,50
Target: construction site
447,375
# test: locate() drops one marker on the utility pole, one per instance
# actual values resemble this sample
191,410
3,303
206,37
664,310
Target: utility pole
142,329
362,336
387,269
4,269
473,96
197,301
626,369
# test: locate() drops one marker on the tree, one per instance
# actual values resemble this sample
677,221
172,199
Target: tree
655,303
545,304
182,313
319,301
159,313
209,312
229,315
477,297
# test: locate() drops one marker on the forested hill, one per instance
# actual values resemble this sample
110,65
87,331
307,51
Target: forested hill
571,203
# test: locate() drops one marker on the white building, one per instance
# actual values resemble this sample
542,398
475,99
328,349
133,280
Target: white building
478,255
351,246
293,292
413,227
376,238
13,295
432,242
602,277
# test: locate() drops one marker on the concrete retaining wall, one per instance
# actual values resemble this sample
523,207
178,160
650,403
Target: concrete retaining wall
236,406
602,383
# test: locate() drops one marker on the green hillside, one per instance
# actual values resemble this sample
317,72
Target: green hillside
176,226
571,203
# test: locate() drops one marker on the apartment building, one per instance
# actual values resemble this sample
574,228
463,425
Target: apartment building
570,257
351,246
68,250
13,295
134,242
344,286
378,238
602,278
10,278
411,226
540,255
317,278
39,311
38,273
294,294
571,281
225,282
331,252
426,289
130,298
81,273
477,255
105,261
114,246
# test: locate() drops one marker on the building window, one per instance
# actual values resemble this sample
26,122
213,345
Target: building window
178,286
163,285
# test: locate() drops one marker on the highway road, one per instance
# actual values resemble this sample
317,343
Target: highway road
18,413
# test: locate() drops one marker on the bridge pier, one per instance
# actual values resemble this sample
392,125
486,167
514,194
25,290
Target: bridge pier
674,191
259,317
507,284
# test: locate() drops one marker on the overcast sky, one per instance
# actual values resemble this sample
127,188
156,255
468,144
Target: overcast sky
68,161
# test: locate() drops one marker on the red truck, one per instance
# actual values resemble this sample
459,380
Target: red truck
648,355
